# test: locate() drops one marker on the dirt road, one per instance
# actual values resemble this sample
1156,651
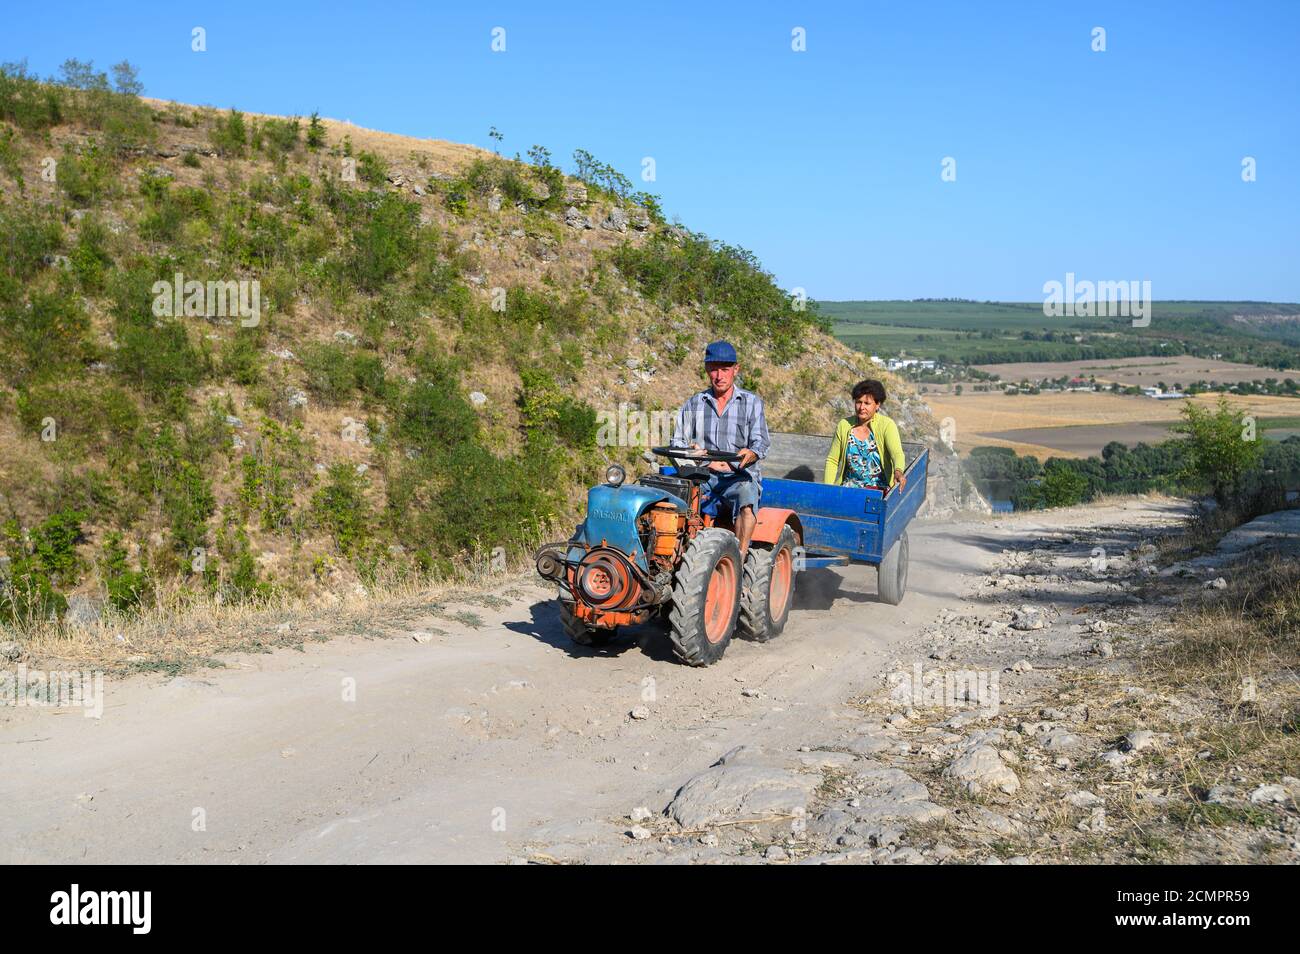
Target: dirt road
476,745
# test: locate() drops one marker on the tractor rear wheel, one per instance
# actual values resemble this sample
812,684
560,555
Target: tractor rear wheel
580,632
891,575
706,597
768,588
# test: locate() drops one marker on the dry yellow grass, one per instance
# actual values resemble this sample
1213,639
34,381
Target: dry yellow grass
976,415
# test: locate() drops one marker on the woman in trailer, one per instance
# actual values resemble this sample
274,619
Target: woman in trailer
867,451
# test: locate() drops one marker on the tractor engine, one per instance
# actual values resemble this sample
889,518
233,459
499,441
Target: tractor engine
618,567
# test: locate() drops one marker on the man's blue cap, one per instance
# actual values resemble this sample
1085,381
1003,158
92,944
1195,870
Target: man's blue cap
720,351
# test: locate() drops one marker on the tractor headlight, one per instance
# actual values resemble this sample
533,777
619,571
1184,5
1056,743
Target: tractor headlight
615,475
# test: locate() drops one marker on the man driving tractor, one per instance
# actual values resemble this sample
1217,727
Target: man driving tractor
726,417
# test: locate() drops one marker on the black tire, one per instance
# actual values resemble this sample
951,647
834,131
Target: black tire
580,632
891,575
756,620
687,625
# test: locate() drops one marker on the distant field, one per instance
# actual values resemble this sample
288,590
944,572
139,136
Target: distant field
1077,424
1143,372
953,315
1260,333
1028,316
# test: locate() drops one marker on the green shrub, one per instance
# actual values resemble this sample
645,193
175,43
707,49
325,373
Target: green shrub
340,508
1220,448
315,132
331,375
188,502
127,588
43,337
726,281
96,415
28,234
242,357
468,501
280,136
167,209
371,169
27,595
90,257
10,159
84,177
384,242
241,583
548,413
54,546
272,469
433,415
229,135
158,359
27,102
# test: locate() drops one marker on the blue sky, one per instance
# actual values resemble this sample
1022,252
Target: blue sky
1123,164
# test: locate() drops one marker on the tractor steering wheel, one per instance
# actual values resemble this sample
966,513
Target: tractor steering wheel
686,453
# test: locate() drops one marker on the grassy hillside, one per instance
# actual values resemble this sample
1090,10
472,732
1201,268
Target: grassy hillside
1260,333
413,385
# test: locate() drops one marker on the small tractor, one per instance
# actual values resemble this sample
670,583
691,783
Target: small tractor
650,549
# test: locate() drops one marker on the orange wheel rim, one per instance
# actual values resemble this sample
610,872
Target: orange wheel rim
782,576
720,600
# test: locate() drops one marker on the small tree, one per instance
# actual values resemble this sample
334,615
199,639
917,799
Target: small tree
315,132
1221,447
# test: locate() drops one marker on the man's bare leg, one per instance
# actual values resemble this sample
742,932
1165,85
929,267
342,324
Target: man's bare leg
745,522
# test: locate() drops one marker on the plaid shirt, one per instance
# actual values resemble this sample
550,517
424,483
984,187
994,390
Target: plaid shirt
742,424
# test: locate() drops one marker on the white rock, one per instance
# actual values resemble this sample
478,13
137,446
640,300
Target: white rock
982,769
1139,739
1268,794
1082,799
1114,758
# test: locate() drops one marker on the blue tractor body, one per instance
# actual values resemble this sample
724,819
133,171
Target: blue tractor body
612,520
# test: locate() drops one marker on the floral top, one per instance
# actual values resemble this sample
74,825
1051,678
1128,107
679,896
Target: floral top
863,467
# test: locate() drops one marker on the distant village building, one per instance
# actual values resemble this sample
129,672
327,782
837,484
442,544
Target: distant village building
1162,395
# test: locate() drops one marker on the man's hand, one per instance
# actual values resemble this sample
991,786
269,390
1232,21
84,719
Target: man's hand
747,457
899,480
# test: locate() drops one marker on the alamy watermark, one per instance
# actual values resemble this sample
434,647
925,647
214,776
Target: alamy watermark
195,299
946,688
1087,299
78,689
627,427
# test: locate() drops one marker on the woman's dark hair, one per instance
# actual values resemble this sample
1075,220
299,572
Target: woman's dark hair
870,386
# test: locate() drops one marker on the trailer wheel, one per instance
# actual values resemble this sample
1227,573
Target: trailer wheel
891,575
706,597
768,588
580,632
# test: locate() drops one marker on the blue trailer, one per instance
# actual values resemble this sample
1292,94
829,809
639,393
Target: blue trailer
842,525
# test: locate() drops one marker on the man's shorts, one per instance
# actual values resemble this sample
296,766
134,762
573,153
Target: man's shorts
732,492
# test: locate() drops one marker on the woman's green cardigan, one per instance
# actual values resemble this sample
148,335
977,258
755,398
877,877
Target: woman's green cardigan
888,442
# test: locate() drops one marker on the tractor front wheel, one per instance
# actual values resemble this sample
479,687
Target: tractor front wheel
580,632
706,597
768,588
